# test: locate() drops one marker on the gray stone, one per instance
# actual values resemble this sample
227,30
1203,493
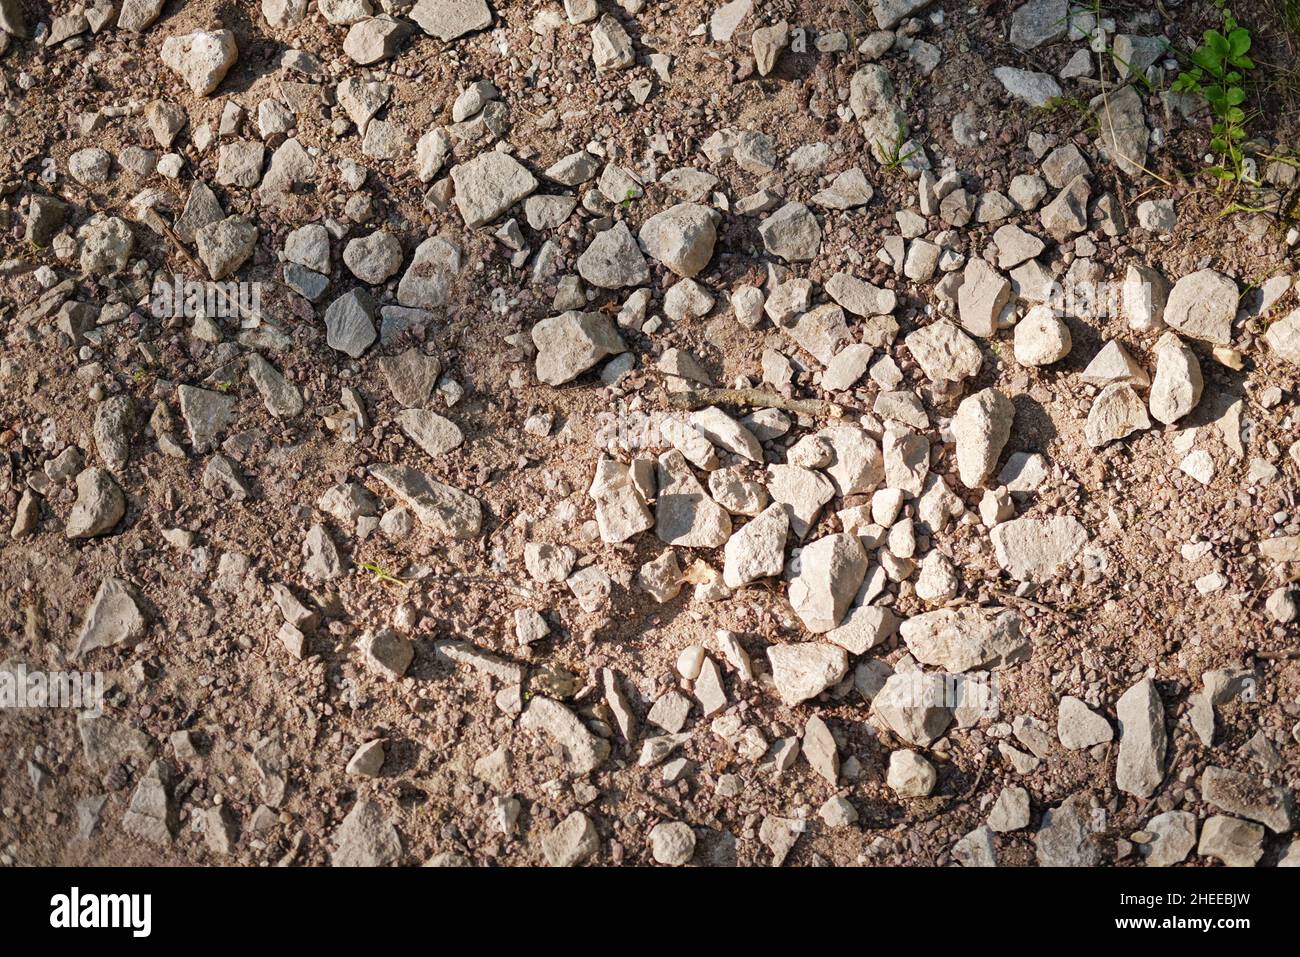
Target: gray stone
571,343
113,618
583,751
792,233
366,838
614,260
1177,385
910,775
99,505
1036,89
1233,841
572,841
1067,835
350,323
226,245
446,510
1033,549
682,237
981,429
829,573
488,185
1202,305
803,671
1173,836
1079,727
1140,765
201,59
966,638
373,258
1038,22
917,706
1246,795
1117,412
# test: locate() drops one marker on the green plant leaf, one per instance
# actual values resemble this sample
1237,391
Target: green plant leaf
1238,41
1218,43
1236,96
1206,60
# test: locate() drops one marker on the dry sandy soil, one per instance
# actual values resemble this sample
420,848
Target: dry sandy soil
221,743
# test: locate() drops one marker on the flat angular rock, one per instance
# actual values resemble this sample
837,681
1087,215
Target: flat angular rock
152,815
830,571
366,838
583,751
350,323
1038,22
981,429
1140,765
802,492
226,245
1036,89
99,505
682,237
1113,364
848,190
1124,135
1117,412
280,396
860,298
571,343
1177,385
792,233
1173,838
983,297
917,706
201,59
488,185
451,19
113,618
611,47
1033,549
1202,306
373,39
446,510
758,549
614,260
1283,337
1245,795
1067,214
411,376
433,433
863,628
944,352
685,515
805,670
621,510
889,13
820,332
1079,727
1067,836
428,280
966,638
1235,842
726,433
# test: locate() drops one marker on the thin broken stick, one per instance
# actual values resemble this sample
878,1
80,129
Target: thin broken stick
754,398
